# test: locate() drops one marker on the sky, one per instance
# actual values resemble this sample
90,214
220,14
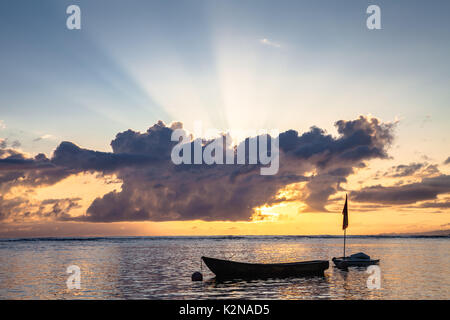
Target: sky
363,112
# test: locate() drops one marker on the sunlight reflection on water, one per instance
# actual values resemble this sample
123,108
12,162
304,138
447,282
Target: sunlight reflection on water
149,268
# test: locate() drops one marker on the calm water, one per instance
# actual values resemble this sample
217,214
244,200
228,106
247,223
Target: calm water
160,268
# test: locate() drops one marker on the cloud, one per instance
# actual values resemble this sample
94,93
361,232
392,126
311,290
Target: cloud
15,144
447,161
164,191
70,156
2,125
20,209
422,169
405,170
19,169
154,189
44,137
11,159
435,204
269,43
4,144
426,189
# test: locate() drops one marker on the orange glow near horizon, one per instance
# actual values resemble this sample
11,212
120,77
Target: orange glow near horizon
286,217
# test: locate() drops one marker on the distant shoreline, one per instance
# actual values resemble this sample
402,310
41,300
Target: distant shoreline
445,234
433,233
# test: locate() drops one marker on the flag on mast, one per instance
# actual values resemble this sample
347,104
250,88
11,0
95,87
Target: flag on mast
345,213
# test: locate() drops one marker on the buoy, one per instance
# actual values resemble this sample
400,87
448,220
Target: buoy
197,276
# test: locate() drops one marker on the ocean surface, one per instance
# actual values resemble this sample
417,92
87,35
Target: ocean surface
161,267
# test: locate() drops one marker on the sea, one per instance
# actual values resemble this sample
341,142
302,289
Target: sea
161,268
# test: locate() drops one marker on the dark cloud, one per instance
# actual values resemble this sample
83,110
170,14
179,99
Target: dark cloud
435,204
4,144
156,142
15,144
360,139
421,169
431,170
403,170
19,209
447,161
153,188
13,160
334,159
427,189
17,168
164,191
69,155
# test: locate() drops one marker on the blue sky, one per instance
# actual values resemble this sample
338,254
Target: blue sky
135,62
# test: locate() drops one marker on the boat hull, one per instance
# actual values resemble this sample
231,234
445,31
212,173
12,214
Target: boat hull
225,269
351,262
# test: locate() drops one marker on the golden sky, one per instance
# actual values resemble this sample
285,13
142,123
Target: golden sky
285,218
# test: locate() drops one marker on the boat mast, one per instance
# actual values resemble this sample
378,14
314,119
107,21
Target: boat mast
345,220
345,231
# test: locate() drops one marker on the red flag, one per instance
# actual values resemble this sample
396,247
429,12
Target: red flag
345,213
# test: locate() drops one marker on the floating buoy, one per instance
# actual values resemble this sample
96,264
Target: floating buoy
197,276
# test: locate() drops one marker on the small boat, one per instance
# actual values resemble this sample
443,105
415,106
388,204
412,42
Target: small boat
226,269
359,259
355,260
